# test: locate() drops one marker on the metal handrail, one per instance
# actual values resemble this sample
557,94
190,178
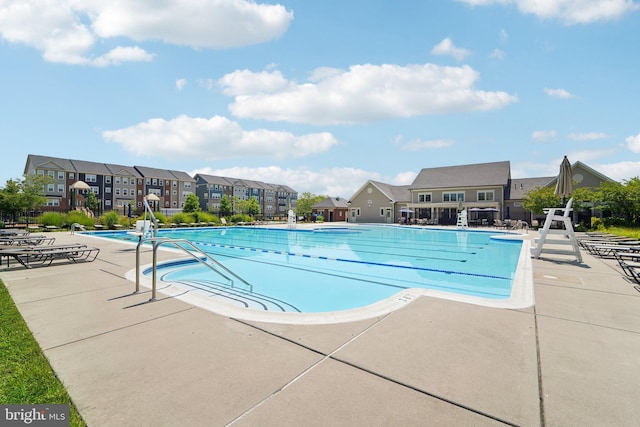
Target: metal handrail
159,241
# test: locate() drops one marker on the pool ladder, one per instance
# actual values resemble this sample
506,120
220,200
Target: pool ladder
199,255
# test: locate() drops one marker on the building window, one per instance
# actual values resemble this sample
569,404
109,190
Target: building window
107,190
72,175
61,175
50,188
125,181
107,180
51,174
53,202
161,182
424,197
90,178
40,172
453,197
107,202
95,190
485,196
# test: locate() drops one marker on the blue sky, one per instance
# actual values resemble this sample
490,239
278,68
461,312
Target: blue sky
322,95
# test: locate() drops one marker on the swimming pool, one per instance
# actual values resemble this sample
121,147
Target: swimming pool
348,269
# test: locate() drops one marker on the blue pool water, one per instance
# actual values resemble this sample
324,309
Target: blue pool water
336,269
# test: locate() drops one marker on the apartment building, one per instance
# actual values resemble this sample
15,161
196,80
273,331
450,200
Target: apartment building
116,186
436,194
274,200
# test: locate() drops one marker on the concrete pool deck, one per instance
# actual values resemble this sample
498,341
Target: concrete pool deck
571,360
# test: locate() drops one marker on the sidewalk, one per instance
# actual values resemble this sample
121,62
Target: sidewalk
570,361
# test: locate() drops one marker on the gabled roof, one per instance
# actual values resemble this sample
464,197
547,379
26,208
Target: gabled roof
83,166
481,174
121,170
213,179
330,203
45,162
182,176
521,186
579,164
395,193
155,173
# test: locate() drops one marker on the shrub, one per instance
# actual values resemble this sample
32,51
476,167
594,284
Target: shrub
109,219
80,218
240,218
159,216
206,217
51,218
182,217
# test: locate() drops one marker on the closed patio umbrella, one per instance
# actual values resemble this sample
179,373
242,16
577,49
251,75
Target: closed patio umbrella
564,184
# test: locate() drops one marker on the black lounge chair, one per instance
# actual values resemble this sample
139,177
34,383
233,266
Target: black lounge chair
42,256
26,240
630,264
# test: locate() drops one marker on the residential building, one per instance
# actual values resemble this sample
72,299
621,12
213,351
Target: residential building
377,202
274,200
332,209
116,187
437,194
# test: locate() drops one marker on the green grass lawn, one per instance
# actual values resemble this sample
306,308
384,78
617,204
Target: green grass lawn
25,374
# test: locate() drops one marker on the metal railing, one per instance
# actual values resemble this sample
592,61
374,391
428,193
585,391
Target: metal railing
200,256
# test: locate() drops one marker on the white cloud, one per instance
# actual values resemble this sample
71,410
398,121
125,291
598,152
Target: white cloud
568,11
342,182
446,47
66,31
590,136
620,171
213,139
543,135
633,142
180,83
418,144
558,93
364,93
497,54
504,36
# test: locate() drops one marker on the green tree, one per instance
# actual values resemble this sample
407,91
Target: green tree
621,200
92,202
225,206
305,202
22,195
539,198
191,204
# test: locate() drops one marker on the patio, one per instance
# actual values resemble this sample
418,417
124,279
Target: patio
568,361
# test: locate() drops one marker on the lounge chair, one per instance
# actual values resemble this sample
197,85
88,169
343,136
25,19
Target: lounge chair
630,264
39,256
608,250
26,240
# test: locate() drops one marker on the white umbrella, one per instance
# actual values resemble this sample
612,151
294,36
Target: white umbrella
80,185
564,184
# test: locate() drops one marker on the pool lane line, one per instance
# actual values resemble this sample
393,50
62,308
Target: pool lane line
434,270
422,245
273,251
